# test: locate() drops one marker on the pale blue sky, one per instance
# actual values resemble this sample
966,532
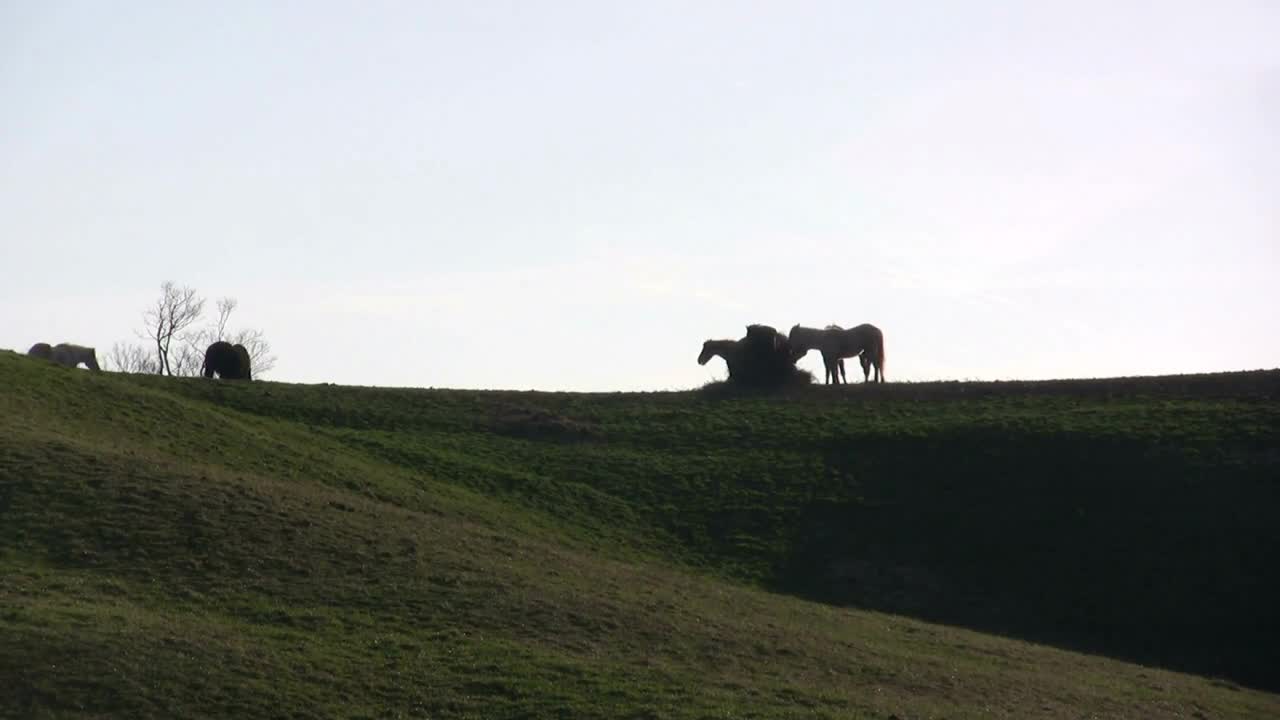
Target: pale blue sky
574,195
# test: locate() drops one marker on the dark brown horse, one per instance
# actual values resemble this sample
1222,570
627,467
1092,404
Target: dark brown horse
761,359
44,351
230,362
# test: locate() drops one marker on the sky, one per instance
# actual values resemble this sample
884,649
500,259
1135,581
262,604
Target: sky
574,195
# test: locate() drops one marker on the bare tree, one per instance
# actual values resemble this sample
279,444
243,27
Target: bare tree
177,310
186,361
130,358
260,357
171,325
225,306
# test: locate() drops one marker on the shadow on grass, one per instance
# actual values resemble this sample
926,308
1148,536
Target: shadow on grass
1101,545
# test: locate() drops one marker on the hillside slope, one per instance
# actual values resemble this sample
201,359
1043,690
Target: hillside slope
189,547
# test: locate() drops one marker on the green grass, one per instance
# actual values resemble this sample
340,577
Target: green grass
180,548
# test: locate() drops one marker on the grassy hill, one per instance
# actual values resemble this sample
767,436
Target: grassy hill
184,548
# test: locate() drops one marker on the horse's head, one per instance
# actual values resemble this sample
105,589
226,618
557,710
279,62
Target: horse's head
802,340
797,337
708,352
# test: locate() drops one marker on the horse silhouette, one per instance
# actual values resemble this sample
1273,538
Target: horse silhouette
44,351
72,355
763,358
835,343
230,362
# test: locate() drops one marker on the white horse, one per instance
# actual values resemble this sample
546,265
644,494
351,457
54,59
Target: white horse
72,355
864,359
835,343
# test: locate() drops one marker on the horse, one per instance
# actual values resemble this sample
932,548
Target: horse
729,350
230,362
760,359
732,350
766,356
833,371
762,335
72,355
803,339
863,358
243,353
835,343
44,351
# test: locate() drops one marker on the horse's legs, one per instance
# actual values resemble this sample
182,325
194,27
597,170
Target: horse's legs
844,377
829,364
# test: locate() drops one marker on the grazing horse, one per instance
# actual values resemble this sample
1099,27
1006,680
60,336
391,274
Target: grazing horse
803,339
730,350
863,358
762,335
243,353
72,355
833,371
230,362
835,343
766,356
760,359
44,351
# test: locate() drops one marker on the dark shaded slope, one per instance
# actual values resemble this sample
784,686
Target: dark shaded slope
1163,553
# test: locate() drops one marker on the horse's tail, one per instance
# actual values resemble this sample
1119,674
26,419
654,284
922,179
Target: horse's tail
880,357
